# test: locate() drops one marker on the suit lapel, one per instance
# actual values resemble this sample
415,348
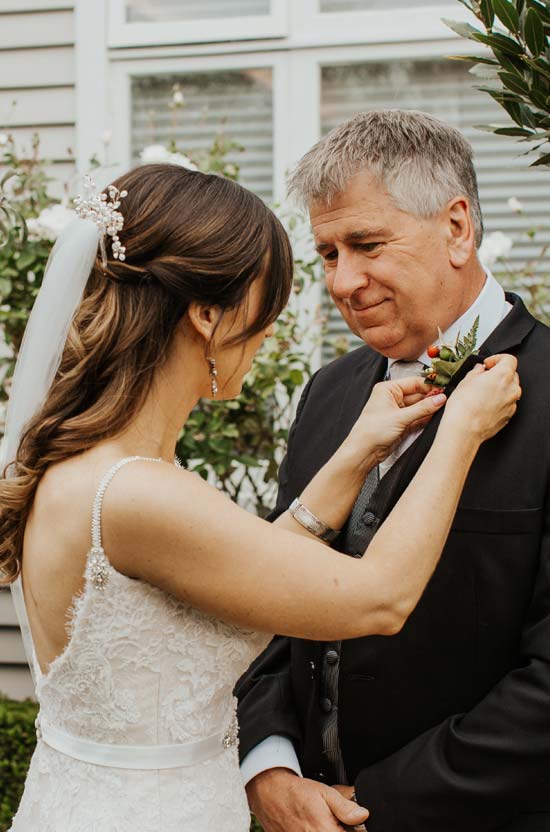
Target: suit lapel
509,334
366,374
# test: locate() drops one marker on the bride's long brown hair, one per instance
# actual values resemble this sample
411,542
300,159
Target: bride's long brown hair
188,237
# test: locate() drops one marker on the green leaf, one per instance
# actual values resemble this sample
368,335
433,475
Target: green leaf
465,30
507,14
542,160
478,59
513,83
541,8
502,42
512,63
468,5
296,377
26,260
487,12
513,131
5,287
539,65
534,33
538,98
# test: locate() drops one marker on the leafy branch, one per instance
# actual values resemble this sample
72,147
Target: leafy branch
517,32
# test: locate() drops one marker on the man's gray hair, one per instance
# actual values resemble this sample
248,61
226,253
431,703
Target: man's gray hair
423,162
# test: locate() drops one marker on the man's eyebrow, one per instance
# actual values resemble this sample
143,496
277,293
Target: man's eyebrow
354,237
363,234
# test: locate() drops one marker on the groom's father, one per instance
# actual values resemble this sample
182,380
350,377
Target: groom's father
444,727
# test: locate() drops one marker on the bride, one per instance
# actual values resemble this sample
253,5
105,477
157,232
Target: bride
143,592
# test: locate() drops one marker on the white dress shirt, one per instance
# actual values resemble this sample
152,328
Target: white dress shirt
492,307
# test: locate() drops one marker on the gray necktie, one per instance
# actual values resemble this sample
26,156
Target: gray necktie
399,370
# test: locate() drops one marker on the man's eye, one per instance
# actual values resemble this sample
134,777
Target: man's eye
331,255
369,246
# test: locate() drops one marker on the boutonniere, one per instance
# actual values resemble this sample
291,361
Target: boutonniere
447,360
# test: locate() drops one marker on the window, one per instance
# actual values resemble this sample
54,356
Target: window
170,10
371,5
179,22
237,103
445,89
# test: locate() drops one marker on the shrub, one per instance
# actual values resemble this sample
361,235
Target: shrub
17,742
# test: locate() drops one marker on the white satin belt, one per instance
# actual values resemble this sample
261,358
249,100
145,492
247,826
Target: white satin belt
136,756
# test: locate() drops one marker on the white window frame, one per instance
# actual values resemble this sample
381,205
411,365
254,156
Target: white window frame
310,26
124,34
120,105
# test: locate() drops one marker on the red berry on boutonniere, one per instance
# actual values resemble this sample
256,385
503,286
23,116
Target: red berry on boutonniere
433,351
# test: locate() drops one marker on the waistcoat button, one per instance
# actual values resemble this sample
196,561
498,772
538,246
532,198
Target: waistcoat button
326,705
332,657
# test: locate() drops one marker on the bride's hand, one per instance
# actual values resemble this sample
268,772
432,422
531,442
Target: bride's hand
485,400
394,409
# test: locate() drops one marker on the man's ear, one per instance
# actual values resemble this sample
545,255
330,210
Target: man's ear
203,319
461,239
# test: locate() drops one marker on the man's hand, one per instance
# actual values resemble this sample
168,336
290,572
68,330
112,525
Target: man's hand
284,802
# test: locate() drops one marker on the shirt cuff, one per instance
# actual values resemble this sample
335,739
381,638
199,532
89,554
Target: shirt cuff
275,751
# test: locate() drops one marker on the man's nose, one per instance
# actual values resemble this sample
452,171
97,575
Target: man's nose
348,277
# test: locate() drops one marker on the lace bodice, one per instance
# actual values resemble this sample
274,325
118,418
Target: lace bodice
140,668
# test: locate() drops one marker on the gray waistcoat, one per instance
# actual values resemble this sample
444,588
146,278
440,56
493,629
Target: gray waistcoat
358,533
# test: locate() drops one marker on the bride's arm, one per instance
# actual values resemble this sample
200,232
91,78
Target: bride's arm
178,533
394,408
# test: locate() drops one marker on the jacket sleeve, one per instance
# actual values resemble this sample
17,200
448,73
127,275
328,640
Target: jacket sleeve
479,770
264,692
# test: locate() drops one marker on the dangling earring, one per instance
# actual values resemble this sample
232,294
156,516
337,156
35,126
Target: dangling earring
213,376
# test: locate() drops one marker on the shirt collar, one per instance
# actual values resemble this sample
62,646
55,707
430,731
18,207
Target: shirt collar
490,305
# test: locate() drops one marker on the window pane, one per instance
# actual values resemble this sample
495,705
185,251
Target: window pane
236,103
445,88
167,10
369,5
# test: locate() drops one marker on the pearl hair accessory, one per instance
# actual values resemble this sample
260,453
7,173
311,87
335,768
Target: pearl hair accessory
101,209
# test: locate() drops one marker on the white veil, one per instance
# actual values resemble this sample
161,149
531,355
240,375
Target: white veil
65,278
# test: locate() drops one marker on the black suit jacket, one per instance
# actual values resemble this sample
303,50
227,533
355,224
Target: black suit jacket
446,725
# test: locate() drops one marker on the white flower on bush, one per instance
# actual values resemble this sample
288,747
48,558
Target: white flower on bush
4,138
159,154
515,205
50,223
495,246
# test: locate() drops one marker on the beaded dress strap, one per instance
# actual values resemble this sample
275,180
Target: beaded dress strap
98,569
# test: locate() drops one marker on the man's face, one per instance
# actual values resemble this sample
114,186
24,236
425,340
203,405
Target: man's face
388,271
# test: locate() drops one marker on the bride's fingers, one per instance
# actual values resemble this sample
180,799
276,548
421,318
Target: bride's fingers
422,410
508,361
412,384
413,398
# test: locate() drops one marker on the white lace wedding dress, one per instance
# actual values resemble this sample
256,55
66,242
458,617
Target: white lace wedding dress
142,670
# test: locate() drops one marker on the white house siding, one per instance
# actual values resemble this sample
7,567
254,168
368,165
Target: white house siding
37,73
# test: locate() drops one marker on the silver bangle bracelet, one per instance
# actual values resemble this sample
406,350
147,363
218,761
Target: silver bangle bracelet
311,523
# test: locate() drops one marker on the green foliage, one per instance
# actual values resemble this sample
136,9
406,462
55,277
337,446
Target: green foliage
17,742
518,34
23,257
466,346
